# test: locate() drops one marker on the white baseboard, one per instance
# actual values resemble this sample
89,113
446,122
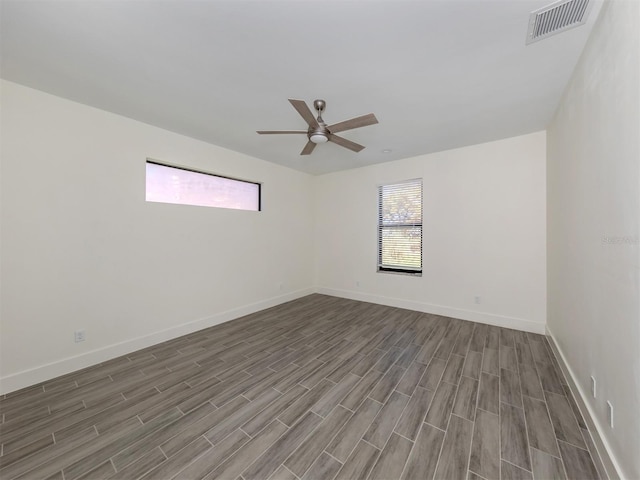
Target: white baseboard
609,462
52,370
473,316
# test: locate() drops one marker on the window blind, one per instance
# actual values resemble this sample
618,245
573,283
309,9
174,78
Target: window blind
400,227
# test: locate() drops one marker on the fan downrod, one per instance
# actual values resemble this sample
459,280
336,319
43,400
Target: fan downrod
320,105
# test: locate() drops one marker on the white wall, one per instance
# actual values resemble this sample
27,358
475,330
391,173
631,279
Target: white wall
81,249
484,233
593,182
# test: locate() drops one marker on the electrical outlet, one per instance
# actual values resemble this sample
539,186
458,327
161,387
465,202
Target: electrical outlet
280,286
79,336
357,283
593,386
477,299
610,411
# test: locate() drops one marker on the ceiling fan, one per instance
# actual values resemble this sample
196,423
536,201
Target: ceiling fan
319,131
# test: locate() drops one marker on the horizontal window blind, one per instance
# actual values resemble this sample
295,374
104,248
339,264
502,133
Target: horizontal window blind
400,227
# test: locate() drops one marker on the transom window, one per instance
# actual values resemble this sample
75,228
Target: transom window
400,227
168,184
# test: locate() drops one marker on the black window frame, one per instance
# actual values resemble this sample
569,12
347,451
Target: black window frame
194,170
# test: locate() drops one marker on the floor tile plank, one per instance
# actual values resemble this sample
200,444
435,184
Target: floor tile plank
114,441
141,466
574,407
348,436
485,447
187,435
424,456
529,382
478,338
215,456
234,465
465,403
359,463
508,358
453,370
540,430
305,403
513,434
510,388
233,421
104,470
411,378
387,384
441,405
472,365
277,453
431,377
384,423
549,378
26,451
545,466
179,461
266,416
361,390
391,461
489,393
491,361
509,471
454,457
311,448
413,415
523,352
563,420
49,454
324,468
283,473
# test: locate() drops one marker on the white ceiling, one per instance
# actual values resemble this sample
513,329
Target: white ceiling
437,74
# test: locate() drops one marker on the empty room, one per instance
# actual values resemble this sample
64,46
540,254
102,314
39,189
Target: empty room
320,240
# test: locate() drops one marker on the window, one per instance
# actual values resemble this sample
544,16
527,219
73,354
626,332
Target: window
180,185
400,227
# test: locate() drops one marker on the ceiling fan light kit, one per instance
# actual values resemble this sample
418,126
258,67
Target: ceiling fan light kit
319,131
318,137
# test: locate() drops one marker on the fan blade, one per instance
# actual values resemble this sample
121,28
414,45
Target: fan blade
343,142
308,148
274,132
304,112
363,121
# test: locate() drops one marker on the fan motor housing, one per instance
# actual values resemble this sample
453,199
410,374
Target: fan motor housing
318,135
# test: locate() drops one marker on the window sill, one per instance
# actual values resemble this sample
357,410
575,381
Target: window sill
400,272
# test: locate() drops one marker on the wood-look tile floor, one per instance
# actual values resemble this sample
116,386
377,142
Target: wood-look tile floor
319,388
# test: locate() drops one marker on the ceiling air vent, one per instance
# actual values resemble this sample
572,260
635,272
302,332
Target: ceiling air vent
556,18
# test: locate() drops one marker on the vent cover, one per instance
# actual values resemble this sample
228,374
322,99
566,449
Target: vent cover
556,18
